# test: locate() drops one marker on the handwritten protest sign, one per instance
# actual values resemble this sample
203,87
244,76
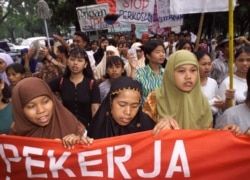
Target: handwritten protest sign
173,154
135,11
164,17
111,3
92,17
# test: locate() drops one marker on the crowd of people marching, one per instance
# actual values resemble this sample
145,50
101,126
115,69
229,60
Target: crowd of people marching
108,87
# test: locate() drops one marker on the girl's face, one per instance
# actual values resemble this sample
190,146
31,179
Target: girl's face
120,48
185,77
39,110
76,64
125,106
14,77
205,65
125,49
242,62
104,44
187,47
157,56
115,71
3,66
139,53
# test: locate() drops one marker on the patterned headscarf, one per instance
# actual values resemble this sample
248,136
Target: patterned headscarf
190,109
103,124
61,123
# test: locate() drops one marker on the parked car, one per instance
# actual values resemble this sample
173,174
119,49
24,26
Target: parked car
43,41
4,48
14,48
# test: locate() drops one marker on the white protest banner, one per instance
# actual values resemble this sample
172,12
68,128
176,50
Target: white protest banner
92,17
164,17
198,6
135,11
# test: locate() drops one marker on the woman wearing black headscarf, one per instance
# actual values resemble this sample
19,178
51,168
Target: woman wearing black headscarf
121,112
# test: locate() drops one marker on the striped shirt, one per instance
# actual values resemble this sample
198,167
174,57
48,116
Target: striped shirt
148,79
220,69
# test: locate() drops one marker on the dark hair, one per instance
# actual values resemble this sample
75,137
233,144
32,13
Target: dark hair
63,49
6,91
181,44
102,40
80,52
93,41
200,54
103,36
149,47
171,32
243,49
248,85
17,67
82,35
114,60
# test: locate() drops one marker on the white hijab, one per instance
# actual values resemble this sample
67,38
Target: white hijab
8,60
101,67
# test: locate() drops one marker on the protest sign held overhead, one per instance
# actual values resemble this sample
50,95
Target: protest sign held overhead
92,17
164,17
135,11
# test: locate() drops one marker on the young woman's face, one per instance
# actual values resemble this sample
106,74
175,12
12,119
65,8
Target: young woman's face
76,64
39,110
157,56
125,106
185,77
139,53
205,65
187,47
14,77
115,71
242,62
3,66
104,44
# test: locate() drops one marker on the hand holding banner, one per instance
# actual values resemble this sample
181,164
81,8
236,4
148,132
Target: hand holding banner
175,154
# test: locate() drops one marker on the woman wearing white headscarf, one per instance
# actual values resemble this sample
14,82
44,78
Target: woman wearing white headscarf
5,60
134,64
101,67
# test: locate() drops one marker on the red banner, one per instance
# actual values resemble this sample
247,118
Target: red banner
179,154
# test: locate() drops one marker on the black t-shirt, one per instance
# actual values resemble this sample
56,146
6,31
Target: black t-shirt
77,99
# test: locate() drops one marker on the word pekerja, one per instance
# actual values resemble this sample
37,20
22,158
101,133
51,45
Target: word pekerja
42,163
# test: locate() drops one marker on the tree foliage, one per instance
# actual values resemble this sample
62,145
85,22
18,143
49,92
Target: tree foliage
19,19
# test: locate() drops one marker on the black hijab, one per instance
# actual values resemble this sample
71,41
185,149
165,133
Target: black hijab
103,125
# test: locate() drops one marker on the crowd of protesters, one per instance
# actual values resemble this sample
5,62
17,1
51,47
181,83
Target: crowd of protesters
120,85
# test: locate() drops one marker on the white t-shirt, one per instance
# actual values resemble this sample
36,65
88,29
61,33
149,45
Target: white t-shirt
210,90
240,86
238,115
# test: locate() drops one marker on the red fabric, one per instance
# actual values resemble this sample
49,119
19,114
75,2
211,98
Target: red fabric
179,154
112,5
